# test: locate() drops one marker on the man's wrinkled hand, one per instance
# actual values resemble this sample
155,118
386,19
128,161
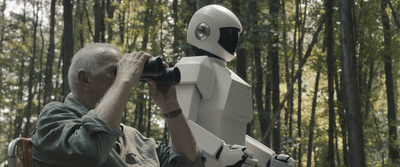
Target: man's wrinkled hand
164,95
130,68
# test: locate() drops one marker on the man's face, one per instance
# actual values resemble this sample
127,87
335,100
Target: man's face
107,60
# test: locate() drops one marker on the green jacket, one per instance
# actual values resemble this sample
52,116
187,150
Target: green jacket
67,134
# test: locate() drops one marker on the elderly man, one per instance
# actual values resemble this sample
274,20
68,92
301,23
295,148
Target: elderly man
86,129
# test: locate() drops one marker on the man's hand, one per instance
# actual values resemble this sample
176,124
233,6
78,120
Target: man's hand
130,67
164,95
129,70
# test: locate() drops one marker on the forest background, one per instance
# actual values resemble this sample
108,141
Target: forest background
324,74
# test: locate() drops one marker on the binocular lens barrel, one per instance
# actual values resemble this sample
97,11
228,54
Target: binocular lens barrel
170,76
153,67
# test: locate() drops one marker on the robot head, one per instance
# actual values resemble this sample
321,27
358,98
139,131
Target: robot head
216,30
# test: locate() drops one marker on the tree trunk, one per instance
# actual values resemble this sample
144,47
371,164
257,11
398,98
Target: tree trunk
259,71
342,119
48,89
296,51
97,20
302,62
145,119
140,111
161,34
88,20
330,60
18,117
165,134
146,21
370,63
273,51
393,149
59,70
301,27
31,74
268,101
288,73
175,42
351,96
103,26
79,13
191,7
135,121
110,14
241,57
3,25
39,106
291,91
20,110
337,148
68,44
378,135
121,20
312,122
149,118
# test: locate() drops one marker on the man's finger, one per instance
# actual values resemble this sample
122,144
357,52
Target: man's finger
152,86
171,64
165,65
144,57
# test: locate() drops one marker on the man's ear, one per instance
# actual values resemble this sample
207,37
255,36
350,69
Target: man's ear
83,78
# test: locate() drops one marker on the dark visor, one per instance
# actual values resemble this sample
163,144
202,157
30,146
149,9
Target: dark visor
229,38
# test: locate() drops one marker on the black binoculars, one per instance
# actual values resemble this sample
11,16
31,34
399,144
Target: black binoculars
154,69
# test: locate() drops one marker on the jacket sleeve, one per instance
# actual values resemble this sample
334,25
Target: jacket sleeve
62,138
169,158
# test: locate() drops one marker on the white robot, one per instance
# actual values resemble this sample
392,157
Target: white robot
217,102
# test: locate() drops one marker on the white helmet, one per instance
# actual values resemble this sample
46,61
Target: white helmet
215,29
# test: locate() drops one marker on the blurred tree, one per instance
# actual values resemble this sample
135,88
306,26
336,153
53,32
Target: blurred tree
273,51
110,6
31,71
330,62
98,18
312,121
351,95
22,54
392,118
262,115
50,57
68,45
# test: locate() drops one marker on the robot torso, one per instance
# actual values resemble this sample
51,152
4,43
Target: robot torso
215,97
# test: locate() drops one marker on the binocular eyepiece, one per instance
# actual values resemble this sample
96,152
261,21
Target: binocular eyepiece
154,69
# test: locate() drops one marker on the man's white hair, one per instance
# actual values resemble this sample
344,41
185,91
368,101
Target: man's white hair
85,59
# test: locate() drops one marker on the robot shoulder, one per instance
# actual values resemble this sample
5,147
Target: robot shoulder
200,71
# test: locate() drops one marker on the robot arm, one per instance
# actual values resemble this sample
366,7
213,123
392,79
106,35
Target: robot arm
226,155
197,82
235,155
268,157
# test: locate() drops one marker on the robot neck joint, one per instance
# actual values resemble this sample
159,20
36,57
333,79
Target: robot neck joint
201,52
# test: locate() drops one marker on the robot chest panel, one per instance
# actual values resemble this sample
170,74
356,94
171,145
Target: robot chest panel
231,94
